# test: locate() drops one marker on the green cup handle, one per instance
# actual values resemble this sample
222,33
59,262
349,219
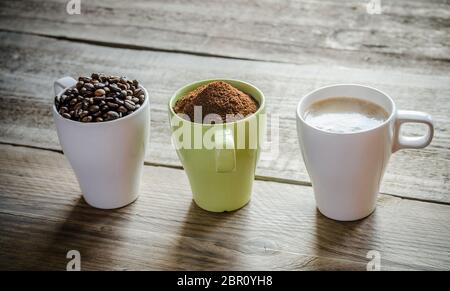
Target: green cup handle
225,152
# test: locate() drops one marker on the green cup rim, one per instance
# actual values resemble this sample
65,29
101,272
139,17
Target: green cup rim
174,97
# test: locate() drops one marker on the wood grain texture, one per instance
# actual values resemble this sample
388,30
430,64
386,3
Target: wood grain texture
406,33
30,64
42,217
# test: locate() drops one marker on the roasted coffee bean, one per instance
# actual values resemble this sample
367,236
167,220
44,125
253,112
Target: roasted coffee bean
118,101
122,109
77,106
129,104
84,113
100,98
141,99
89,86
114,88
86,119
112,105
94,108
99,85
138,92
100,92
112,114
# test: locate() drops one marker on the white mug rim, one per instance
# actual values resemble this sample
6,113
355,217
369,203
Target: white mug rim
387,121
103,123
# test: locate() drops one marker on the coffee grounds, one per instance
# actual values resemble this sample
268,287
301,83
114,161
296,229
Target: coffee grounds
217,98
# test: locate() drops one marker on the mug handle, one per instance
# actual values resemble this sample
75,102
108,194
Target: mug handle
225,152
63,83
407,142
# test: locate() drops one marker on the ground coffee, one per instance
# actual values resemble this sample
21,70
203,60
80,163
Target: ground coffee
217,98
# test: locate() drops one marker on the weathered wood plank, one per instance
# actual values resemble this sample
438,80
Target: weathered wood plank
406,33
29,64
42,217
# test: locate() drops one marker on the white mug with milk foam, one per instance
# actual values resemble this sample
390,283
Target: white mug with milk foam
346,169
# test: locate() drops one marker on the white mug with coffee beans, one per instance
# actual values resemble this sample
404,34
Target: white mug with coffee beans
107,157
346,153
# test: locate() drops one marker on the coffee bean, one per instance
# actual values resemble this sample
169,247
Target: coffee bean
98,113
99,99
141,99
129,104
128,98
94,108
66,115
137,107
77,106
63,109
138,92
105,108
94,76
112,114
89,87
100,92
118,101
86,119
80,84
84,113
122,109
135,100
99,85
114,88
99,119
112,105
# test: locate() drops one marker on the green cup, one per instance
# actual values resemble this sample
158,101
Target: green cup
220,159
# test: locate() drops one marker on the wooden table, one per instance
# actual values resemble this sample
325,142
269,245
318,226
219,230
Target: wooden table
286,48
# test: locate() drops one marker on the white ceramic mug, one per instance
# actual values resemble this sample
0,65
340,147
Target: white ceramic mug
346,168
107,157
